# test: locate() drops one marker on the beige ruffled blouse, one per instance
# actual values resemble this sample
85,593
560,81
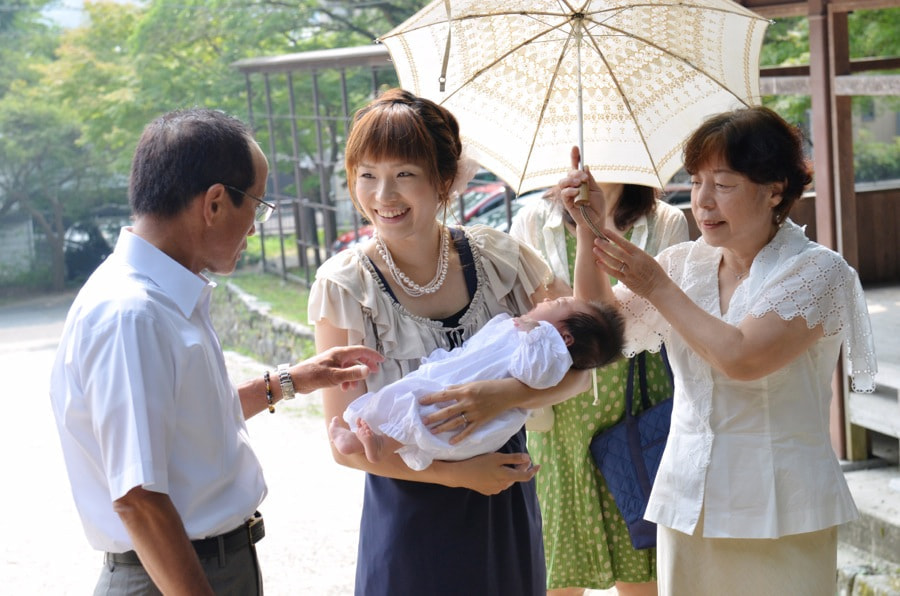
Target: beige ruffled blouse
349,294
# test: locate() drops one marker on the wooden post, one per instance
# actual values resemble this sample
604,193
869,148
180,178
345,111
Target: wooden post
854,443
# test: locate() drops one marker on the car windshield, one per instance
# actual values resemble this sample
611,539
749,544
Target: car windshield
473,196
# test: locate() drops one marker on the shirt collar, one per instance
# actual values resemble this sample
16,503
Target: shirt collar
184,287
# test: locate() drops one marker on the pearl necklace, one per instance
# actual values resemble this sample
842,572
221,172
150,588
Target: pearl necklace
410,287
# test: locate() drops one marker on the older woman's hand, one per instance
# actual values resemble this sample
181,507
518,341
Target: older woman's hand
629,264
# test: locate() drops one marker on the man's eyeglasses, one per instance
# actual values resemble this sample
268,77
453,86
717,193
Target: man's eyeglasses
264,209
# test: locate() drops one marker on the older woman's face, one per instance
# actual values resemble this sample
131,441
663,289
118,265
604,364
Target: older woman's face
731,211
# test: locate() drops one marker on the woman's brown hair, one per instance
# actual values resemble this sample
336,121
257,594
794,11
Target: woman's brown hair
757,143
399,125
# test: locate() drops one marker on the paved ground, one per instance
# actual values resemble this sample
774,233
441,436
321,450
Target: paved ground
311,512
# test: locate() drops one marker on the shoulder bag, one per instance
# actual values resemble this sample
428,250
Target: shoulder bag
628,453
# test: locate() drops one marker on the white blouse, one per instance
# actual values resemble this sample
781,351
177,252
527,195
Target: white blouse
756,455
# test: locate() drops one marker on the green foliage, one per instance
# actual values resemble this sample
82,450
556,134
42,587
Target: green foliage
24,42
95,58
253,253
873,33
786,43
287,300
33,282
875,160
73,103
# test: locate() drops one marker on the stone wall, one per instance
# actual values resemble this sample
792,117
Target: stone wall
244,325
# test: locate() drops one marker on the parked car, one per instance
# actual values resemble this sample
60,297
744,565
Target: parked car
481,199
84,248
498,218
483,176
677,194
348,239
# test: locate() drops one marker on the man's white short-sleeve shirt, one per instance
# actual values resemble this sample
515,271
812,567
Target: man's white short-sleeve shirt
142,397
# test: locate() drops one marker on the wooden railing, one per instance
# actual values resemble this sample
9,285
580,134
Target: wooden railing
878,230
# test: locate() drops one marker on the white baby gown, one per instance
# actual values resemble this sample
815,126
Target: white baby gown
539,358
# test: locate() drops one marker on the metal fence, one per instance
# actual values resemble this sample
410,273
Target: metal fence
300,107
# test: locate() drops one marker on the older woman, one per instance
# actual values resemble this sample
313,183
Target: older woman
749,492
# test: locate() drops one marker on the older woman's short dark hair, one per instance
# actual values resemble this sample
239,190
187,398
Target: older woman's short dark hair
757,143
182,154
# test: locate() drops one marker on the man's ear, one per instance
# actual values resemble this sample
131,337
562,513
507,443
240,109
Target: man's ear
567,337
213,203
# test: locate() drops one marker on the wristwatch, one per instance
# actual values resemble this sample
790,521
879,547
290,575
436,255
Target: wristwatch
287,383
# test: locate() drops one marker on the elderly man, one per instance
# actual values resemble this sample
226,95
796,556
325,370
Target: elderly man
152,430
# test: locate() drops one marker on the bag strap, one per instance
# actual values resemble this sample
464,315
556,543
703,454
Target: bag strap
665,359
641,360
629,386
642,379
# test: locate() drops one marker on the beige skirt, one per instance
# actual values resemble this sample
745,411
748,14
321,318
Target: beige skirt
799,565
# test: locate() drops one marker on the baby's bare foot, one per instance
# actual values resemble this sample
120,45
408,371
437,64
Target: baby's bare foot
373,443
343,438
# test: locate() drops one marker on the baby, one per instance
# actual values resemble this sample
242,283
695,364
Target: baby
537,348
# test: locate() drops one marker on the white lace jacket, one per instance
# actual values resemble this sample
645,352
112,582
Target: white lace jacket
756,455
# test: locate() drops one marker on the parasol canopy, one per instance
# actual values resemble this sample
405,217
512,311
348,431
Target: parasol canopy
625,80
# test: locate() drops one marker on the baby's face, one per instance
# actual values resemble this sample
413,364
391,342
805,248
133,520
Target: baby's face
555,310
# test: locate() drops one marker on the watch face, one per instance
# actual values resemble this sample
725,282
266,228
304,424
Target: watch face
287,384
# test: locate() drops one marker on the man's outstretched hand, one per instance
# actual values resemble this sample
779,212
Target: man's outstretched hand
341,365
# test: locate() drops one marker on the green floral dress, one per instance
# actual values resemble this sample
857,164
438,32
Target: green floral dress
585,538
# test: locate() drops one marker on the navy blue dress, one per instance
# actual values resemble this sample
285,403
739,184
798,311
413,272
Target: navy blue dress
420,538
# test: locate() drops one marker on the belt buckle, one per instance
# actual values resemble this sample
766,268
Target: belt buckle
254,520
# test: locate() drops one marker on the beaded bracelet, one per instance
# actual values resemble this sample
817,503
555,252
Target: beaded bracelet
269,398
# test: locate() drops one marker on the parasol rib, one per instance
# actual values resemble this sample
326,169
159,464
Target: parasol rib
540,119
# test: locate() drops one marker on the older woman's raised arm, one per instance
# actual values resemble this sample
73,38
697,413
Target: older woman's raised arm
752,349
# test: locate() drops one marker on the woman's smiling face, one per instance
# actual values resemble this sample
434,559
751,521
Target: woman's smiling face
396,197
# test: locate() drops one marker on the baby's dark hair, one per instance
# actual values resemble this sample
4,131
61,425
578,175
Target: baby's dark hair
597,338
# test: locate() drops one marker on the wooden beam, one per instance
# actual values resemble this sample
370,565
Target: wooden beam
867,85
856,66
776,9
845,6
844,85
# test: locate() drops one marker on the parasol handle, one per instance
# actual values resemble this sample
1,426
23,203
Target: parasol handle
582,198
